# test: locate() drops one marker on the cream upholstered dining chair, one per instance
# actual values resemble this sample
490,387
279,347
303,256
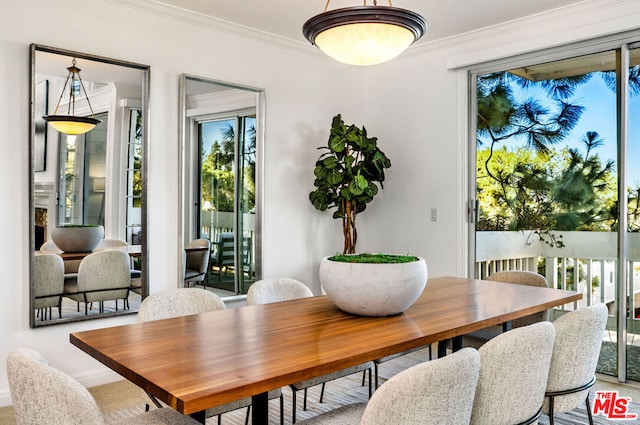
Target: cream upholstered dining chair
42,394
517,277
513,376
187,301
575,358
431,393
94,285
197,262
50,247
48,284
136,275
267,291
523,277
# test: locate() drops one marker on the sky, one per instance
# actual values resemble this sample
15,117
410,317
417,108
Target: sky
599,115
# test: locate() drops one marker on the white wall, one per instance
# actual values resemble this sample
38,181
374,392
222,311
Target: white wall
415,106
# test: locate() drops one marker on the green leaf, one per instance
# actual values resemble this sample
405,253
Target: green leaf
334,177
354,188
337,144
330,162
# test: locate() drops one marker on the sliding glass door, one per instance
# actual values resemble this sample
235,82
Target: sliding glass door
555,178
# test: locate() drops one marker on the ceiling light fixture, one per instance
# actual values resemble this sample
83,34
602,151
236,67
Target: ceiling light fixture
364,35
70,123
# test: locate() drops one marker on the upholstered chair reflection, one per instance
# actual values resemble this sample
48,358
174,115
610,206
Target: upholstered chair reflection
136,275
197,262
102,276
48,284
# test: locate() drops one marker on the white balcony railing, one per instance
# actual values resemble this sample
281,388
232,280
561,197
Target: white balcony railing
588,263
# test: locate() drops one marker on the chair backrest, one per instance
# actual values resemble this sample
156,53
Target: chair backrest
198,260
42,394
108,243
97,284
48,280
575,354
431,393
50,246
225,251
523,277
513,375
267,291
178,302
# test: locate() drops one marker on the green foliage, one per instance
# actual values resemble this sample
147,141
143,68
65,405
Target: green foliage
347,175
538,187
218,172
374,258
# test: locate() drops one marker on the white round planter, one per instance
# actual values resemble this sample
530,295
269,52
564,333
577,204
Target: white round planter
77,238
373,289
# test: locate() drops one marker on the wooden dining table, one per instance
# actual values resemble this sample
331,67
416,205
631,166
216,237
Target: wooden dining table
196,362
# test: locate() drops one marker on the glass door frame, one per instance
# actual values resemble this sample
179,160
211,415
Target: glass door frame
621,43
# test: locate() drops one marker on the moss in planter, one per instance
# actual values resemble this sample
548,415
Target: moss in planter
374,258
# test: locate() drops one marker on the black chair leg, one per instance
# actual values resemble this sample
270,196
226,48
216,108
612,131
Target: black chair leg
551,410
588,403
281,409
375,365
294,406
246,419
321,393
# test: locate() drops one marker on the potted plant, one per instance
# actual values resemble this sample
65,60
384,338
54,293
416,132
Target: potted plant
77,237
347,177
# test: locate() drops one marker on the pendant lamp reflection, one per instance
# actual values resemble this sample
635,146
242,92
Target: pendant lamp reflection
364,35
70,123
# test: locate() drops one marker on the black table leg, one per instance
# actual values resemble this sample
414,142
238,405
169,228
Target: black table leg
442,348
506,326
199,416
456,343
260,409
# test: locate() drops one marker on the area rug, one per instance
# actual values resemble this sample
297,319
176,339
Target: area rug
608,361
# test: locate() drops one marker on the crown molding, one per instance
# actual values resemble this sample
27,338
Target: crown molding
578,22
205,21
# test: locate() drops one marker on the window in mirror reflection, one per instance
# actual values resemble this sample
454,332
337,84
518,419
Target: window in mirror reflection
81,177
133,196
227,198
222,136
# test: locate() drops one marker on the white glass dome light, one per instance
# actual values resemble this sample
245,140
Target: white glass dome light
364,35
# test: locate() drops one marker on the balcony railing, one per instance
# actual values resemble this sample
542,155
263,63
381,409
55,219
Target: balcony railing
588,263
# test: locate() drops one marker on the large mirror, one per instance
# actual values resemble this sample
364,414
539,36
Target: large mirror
222,131
87,185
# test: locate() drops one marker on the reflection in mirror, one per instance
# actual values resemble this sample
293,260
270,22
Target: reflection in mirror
222,135
87,183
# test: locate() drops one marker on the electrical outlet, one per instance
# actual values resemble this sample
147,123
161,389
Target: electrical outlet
434,214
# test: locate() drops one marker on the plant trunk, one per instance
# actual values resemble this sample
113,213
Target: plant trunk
349,227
